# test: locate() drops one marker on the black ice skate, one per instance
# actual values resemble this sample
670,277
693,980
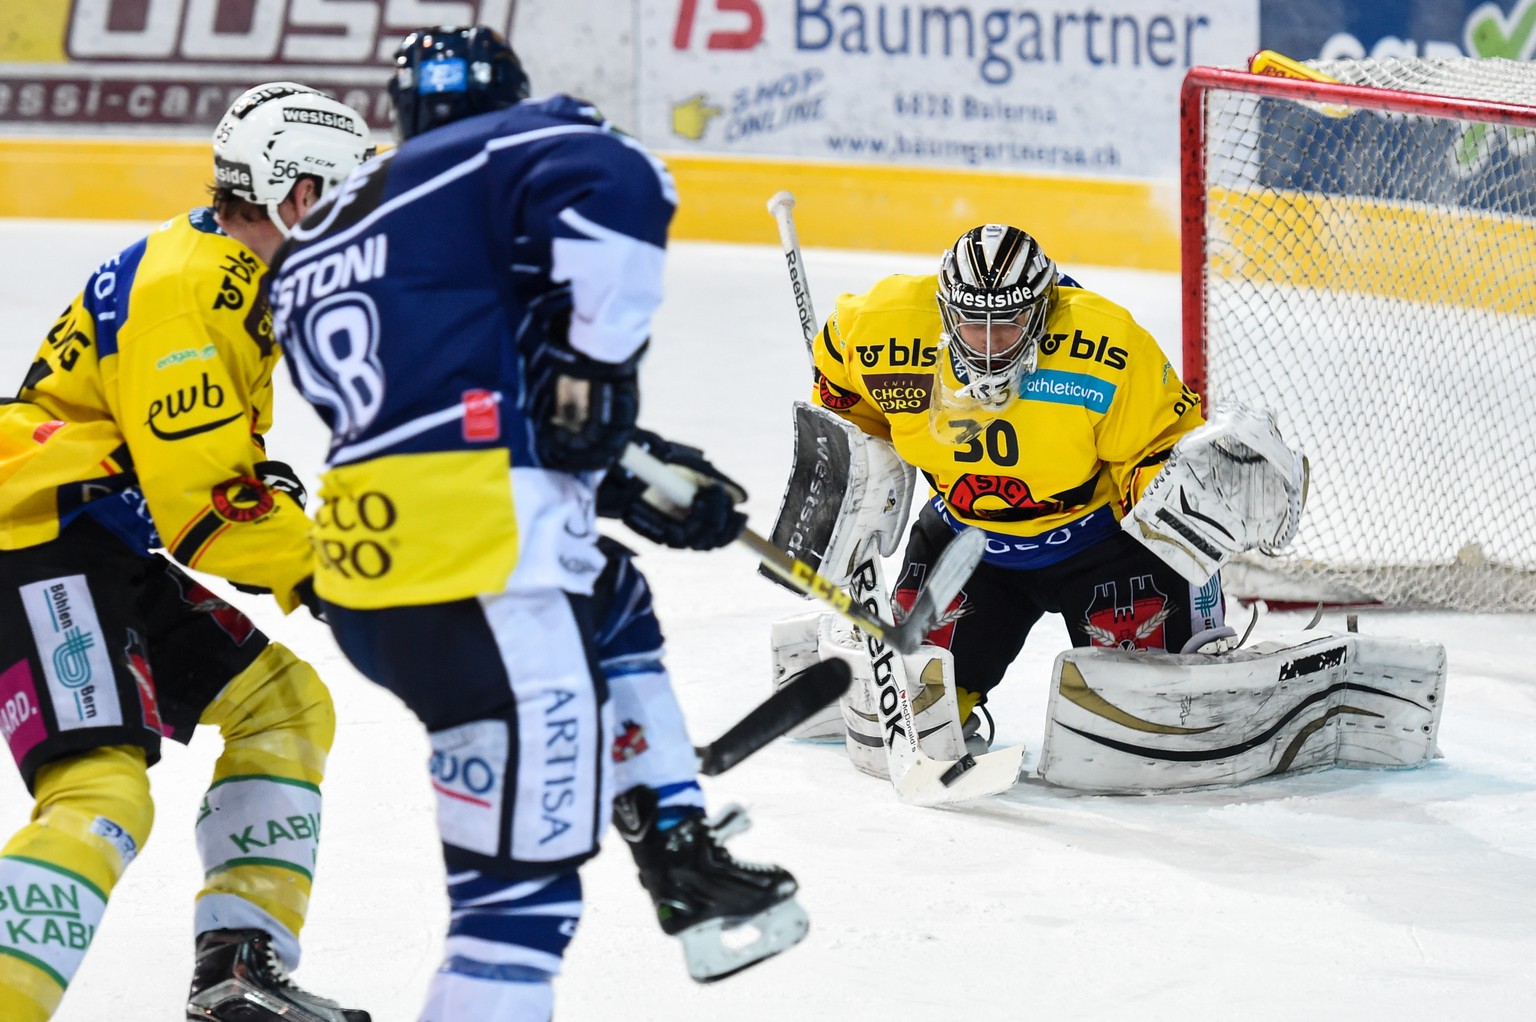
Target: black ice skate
239,978
728,914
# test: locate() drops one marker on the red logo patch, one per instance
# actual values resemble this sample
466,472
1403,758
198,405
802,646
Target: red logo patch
1136,624
967,491
630,742
46,430
241,499
482,419
202,601
835,397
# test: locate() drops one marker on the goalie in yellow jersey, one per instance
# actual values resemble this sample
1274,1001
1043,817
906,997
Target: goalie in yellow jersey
139,426
1044,414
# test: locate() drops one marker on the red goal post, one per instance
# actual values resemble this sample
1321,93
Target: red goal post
1359,256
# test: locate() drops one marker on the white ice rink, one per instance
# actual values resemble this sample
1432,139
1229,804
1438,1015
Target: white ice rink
1344,895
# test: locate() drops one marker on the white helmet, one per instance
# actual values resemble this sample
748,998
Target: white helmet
278,131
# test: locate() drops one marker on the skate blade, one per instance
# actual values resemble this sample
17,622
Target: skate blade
719,948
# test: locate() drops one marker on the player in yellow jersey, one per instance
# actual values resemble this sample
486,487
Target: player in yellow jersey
139,426
1040,412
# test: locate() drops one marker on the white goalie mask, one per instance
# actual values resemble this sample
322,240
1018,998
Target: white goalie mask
279,131
996,291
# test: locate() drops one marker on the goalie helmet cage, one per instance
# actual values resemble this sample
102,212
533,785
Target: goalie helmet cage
1360,259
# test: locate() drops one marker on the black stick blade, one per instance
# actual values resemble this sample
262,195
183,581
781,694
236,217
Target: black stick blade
807,693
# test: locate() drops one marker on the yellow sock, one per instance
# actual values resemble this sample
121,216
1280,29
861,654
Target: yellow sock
968,701
93,814
259,828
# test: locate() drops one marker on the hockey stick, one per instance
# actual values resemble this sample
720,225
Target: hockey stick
919,779
959,560
782,206
808,692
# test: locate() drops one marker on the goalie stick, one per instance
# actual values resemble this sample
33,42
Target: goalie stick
808,692
919,779
952,568
782,206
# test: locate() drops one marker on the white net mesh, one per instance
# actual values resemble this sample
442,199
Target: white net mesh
1371,278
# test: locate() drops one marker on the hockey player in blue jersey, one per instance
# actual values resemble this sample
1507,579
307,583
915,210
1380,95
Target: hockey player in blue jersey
468,316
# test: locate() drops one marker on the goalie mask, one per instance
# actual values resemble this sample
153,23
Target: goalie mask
445,74
996,291
278,132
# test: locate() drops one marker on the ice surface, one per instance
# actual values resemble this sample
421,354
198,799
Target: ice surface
1343,895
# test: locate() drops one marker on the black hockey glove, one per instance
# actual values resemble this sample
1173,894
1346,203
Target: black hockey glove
305,591
279,475
584,410
710,521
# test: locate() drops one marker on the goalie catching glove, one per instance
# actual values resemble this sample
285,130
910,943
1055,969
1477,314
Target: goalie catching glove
1230,486
711,521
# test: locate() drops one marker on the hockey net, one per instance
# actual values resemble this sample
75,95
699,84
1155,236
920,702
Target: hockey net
1360,259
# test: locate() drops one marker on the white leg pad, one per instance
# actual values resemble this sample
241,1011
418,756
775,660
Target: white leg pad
1149,722
796,646
930,686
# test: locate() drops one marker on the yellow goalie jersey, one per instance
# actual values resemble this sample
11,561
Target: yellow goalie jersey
145,409
1050,472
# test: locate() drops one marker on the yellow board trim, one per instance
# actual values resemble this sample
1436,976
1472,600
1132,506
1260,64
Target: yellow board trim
839,205
1404,251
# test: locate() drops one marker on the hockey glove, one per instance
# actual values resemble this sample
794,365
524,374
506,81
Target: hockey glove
305,591
278,475
584,410
711,521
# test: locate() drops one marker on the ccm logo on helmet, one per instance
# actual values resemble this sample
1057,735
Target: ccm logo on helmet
959,294
323,118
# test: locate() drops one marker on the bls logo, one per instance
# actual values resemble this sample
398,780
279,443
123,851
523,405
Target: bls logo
352,538
898,354
1084,348
741,35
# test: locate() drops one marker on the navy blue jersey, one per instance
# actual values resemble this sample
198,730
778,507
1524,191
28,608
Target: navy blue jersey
409,302
424,276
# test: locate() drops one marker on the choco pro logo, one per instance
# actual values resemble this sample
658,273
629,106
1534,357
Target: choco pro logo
900,392
73,652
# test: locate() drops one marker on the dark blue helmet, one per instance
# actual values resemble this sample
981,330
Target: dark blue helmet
445,74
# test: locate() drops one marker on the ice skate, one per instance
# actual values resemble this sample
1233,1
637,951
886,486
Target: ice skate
729,914
239,978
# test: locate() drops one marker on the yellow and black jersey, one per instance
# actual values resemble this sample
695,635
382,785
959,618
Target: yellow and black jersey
1052,469
145,408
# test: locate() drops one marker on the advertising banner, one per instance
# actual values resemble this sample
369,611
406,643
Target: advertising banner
1329,30
1072,87
155,65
